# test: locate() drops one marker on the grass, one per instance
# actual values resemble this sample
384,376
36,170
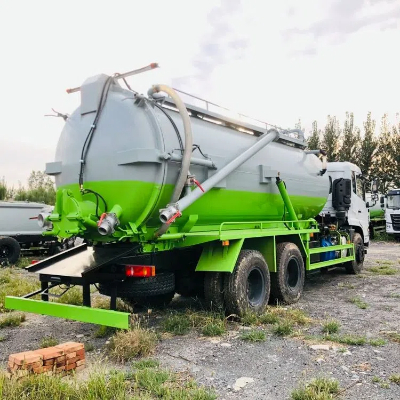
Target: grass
103,331
317,389
359,303
351,340
12,319
346,285
177,324
395,295
15,283
142,364
126,345
275,315
393,336
253,336
89,347
48,341
331,326
283,328
383,270
395,379
216,328
377,342
147,383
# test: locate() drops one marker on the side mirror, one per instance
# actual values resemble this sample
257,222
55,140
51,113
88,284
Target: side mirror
382,201
375,185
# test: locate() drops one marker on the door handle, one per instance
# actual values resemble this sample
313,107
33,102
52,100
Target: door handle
359,211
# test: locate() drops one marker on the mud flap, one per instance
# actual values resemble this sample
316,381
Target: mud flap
218,258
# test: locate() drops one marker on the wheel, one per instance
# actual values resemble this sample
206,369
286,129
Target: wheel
247,288
160,300
189,284
55,249
214,290
355,266
162,283
288,282
9,250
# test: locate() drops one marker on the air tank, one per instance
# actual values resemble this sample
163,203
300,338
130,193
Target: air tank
133,161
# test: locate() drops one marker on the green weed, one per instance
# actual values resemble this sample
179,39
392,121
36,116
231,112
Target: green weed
317,389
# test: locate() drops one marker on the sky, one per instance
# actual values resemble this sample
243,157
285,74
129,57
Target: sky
278,61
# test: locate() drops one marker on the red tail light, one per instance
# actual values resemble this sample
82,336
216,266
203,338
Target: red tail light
34,262
140,271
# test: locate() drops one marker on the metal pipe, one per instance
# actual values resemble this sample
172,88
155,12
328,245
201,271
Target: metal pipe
122,76
286,200
193,161
173,211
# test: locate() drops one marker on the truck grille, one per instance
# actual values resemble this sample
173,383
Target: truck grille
396,221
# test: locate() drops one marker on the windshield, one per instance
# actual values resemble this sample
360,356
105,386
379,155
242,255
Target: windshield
393,201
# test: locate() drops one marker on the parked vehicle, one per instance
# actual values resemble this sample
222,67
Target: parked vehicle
392,213
376,204
237,211
19,230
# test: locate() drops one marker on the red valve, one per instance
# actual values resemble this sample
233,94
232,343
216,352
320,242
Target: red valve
174,217
101,219
197,183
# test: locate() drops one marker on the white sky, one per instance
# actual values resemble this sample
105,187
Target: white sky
277,61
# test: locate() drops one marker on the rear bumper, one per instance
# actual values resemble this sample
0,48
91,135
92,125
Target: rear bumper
110,318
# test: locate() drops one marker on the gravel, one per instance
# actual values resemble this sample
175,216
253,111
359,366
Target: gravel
237,369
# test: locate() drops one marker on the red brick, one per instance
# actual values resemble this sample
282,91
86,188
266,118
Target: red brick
80,353
49,362
49,352
36,364
40,370
60,359
27,357
73,360
70,366
80,362
71,355
80,368
60,369
70,347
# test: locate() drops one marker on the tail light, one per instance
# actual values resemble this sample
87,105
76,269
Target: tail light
140,271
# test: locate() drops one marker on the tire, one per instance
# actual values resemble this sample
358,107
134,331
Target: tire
355,267
162,283
247,288
288,282
10,250
160,300
190,284
214,290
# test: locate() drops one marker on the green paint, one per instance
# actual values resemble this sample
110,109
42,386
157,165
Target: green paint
218,258
266,246
329,263
140,203
318,250
114,319
287,201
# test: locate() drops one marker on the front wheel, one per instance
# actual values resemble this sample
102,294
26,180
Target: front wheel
247,288
9,250
355,266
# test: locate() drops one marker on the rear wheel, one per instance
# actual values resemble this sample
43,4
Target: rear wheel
247,288
9,250
214,290
355,266
288,282
161,300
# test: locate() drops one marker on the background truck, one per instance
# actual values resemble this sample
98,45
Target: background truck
171,197
19,230
392,213
376,204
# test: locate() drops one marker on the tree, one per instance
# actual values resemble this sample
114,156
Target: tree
350,149
40,189
396,155
3,190
330,138
384,161
314,140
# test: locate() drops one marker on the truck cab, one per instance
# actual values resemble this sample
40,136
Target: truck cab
346,205
392,213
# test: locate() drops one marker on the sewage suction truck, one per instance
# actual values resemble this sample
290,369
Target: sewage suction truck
176,198
392,213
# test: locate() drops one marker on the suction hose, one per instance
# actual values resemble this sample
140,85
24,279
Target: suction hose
187,153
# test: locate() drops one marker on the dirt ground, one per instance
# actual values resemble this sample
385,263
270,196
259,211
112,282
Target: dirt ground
278,365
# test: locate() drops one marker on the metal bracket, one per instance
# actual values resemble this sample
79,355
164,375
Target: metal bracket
266,173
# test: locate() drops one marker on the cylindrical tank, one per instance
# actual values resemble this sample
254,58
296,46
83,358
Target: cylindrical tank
127,167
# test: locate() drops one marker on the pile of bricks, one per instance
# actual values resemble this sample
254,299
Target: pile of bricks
60,359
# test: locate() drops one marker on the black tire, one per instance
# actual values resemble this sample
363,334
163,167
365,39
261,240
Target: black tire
142,287
160,300
247,288
355,267
214,290
10,250
190,284
54,249
288,282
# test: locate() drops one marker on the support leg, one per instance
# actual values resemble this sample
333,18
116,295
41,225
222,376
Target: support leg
44,286
113,299
86,295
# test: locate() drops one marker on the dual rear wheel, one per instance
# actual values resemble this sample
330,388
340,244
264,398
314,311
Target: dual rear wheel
250,286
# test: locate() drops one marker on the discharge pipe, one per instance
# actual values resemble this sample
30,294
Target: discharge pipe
169,214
